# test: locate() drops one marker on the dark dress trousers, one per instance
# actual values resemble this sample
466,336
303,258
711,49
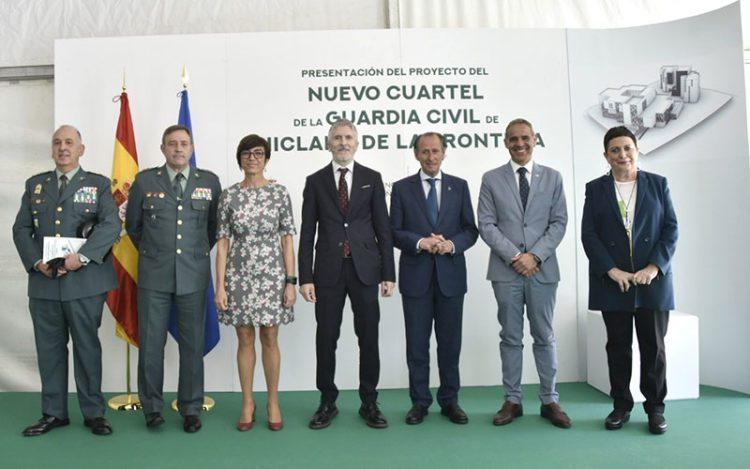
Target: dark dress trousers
607,245
367,229
432,286
70,305
174,239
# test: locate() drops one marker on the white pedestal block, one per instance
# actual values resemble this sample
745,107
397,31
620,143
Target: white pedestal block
682,357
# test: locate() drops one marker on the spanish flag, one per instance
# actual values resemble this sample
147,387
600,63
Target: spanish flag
123,302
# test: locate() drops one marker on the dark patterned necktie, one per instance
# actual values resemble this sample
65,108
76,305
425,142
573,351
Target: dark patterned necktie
63,184
432,203
344,201
178,185
523,186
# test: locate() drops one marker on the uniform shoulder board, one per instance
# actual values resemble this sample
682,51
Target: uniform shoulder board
204,171
44,173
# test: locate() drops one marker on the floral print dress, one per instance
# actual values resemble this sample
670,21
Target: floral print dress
254,219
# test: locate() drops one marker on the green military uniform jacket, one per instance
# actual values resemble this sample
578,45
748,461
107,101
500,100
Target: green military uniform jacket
44,212
174,238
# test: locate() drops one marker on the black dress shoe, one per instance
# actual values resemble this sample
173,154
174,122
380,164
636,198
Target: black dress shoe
154,419
323,416
191,423
45,424
657,424
616,419
455,413
416,414
98,426
372,415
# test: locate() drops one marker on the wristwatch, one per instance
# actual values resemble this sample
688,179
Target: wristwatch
291,279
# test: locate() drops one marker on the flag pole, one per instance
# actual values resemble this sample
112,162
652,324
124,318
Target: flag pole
208,402
128,401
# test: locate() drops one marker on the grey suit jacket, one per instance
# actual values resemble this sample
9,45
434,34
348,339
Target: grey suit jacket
174,238
43,212
508,229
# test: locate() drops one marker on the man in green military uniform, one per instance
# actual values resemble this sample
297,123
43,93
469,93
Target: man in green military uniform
171,219
68,300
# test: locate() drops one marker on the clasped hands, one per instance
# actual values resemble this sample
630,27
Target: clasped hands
436,244
525,264
627,279
72,263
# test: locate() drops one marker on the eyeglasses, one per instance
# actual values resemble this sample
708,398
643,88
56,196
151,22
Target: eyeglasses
256,155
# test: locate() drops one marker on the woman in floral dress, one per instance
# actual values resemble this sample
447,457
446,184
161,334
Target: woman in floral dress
255,280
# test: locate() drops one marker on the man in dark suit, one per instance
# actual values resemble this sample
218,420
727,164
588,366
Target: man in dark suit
171,219
68,300
345,204
522,218
433,224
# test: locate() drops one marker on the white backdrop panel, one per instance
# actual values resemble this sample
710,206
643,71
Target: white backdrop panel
255,83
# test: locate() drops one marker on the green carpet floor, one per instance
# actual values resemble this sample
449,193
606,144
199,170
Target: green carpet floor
712,432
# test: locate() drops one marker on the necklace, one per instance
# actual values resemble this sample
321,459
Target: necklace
625,211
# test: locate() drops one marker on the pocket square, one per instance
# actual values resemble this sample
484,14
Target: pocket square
365,186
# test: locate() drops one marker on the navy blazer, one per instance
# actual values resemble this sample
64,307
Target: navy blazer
410,223
606,243
365,226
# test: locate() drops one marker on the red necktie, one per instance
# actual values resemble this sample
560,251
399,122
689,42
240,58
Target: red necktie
344,201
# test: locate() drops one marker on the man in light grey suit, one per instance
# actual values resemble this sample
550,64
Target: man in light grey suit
522,218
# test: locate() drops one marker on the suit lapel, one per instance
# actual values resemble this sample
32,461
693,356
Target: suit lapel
355,193
446,196
537,176
330,185
50,185
609,191
162,177
192,181
641,188
510,180
417,192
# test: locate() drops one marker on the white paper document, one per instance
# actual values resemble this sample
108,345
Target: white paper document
60,247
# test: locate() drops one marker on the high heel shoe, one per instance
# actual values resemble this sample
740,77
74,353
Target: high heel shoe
275,426
245,426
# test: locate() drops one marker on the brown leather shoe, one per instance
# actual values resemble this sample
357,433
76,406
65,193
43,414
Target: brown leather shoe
555,414
506,415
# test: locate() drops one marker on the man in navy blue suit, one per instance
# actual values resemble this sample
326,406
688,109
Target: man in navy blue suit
345,250
433,224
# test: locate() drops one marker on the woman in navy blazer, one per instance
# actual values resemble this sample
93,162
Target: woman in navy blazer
629,233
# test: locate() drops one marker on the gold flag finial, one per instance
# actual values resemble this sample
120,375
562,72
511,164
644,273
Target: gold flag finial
185,77
124,88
